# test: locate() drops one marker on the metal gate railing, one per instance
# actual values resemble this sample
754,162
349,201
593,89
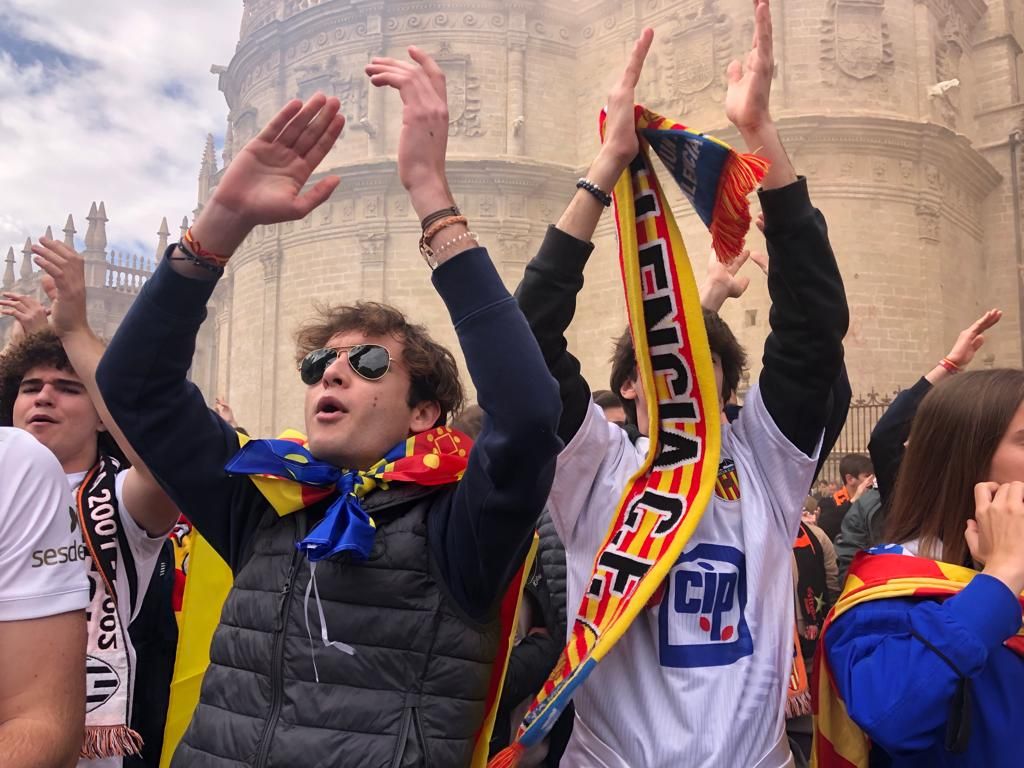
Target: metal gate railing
864,414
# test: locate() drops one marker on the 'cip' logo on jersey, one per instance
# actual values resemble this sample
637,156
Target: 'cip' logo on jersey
701,621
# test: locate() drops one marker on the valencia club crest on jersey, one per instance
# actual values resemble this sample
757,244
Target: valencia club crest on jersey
727,487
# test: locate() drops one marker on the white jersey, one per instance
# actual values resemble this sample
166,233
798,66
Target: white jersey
145,551
38,530
699,679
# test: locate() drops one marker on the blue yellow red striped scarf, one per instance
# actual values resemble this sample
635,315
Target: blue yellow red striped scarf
289,475
291,479
838,741
665,498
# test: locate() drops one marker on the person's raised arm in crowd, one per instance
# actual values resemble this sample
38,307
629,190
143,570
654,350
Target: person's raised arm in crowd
803,355
29,314
143,376
554,277
891,432
497,503
64,283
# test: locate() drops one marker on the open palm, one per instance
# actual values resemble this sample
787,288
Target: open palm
750,80
264,182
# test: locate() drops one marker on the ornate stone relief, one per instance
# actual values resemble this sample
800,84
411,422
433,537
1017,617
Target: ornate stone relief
690,57
949,48
928,215
464,98
246,124
352,89
371,247
855,41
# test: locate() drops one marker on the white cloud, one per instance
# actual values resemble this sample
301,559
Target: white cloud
107,100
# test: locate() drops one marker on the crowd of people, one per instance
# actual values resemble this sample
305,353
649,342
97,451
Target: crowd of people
871,621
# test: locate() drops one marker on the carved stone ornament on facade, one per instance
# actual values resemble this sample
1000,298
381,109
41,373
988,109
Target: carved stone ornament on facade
855,41
271,261
514,248
464,98
928,215
371,247
692,52
949,48
245,126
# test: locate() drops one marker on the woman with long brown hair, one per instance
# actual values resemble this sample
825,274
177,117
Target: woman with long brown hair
923,661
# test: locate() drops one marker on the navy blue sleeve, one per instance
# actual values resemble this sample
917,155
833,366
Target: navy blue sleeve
896,688
143,378
890,434
480,540
809,316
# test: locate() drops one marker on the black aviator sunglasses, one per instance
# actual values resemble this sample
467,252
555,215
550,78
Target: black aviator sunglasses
368,361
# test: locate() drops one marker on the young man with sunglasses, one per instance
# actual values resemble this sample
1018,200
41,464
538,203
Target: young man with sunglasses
380,655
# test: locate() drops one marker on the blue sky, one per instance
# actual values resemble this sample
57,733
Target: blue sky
107,100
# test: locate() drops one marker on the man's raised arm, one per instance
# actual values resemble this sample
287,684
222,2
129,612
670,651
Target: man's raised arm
547,293
494,511
143,374
803,355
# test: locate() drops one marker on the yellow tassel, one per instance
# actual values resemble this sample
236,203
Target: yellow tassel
508,757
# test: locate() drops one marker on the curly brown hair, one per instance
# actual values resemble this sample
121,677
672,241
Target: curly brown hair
42,348
433,372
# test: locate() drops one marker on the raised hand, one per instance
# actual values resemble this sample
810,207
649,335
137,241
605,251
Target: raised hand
423,141
996,535
225,412
30,314
972,338
862,486
620,139
747,101
750,80
722,281
264,182
64,283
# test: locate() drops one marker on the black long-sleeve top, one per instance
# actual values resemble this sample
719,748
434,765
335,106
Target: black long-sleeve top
803,355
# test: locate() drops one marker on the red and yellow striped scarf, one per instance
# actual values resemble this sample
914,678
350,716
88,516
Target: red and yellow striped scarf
838,741
664,500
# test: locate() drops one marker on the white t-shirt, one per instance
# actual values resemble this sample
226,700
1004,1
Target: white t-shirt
699,679
145,551
41,573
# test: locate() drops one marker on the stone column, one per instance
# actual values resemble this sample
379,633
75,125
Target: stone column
271,261
516,116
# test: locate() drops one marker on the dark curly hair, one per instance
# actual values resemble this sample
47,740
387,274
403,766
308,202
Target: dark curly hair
40,349
722,341
433,373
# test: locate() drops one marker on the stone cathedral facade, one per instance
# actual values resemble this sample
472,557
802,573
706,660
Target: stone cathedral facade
907,117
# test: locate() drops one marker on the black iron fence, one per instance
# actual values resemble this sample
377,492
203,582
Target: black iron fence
864,414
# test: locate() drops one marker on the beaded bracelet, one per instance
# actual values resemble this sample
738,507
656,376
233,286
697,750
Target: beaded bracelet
603,197
431,232
426,251
464,236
